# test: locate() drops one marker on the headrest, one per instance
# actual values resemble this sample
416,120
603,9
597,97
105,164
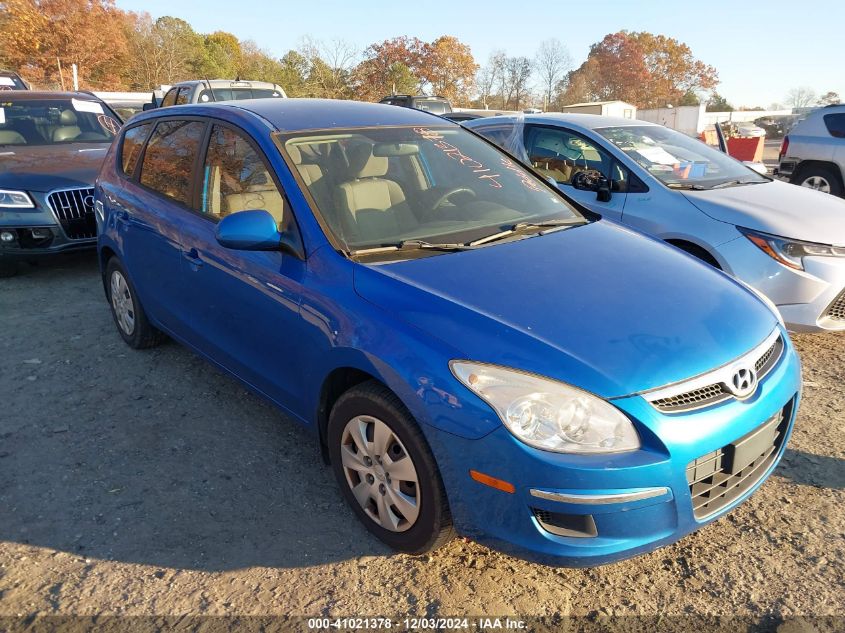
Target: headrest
294,153
550,141
68,117
362,163
10,137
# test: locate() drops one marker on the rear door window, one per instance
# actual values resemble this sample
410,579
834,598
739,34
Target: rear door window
835,124
168,166
133,141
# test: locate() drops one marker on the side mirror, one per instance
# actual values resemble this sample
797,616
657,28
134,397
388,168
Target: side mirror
603,193
148,106
253,231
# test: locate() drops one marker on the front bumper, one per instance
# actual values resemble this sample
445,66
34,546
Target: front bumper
805,298
38,240
594,510
38,232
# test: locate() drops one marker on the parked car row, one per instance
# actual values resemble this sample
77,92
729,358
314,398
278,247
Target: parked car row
477,340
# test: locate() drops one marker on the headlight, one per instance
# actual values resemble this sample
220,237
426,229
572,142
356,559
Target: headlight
548,414
15,199
791,252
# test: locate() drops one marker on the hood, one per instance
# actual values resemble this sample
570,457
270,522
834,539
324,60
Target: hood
778,208
597,306
47,167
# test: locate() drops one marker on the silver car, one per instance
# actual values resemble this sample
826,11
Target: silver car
786,242
207,90
813,153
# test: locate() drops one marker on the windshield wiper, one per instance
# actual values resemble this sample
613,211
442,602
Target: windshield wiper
412,245
521,226
733,183
685,185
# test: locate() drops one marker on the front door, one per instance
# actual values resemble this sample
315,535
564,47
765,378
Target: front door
574,161
245,305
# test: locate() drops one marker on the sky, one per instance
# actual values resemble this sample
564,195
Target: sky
761,50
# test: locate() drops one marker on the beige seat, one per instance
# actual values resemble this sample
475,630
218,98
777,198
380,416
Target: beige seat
68,128
10,137
376,204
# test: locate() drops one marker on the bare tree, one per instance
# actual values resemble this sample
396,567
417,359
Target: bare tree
517,75
551,64
801,97
330,67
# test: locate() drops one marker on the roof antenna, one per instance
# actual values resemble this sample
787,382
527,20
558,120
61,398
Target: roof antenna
210,91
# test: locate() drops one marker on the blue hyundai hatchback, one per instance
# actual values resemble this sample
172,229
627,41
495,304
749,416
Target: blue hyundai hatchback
473,353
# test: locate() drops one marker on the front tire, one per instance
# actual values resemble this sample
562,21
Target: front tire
386,471
820,178
126,309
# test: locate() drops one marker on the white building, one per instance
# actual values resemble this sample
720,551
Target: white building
604,108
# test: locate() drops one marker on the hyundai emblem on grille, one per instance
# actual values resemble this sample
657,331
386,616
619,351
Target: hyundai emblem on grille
744,382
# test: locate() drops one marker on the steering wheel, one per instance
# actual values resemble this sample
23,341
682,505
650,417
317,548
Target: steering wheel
445,197
589,180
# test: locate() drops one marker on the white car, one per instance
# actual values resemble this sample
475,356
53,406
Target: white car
786,242
749,130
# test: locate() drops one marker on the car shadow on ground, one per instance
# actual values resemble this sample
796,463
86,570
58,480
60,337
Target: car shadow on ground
813,470
151,457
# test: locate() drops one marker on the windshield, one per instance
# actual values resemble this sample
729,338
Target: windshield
678,160
435,106
386,185
235,94
11,82
55,121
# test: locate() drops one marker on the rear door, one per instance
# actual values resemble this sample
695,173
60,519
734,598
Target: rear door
244,304
157,196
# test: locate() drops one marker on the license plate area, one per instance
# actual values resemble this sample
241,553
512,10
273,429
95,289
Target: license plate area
741,453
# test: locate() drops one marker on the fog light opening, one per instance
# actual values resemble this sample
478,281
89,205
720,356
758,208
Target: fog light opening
7,236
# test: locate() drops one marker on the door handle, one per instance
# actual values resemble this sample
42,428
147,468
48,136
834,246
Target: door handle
193,258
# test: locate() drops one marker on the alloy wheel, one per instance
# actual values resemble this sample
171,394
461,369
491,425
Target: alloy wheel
121,301
818,183
380,473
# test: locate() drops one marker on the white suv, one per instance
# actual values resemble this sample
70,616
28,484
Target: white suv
813,153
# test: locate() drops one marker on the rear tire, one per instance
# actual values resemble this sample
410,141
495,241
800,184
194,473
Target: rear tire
821,178
129,316
386,471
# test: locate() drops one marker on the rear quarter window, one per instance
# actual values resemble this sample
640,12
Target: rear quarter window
130,150
835,124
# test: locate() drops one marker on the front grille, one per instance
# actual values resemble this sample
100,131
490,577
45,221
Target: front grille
74,209
717,391
712,394
719,478
836,311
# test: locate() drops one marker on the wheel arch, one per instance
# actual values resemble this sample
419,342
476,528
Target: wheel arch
805,165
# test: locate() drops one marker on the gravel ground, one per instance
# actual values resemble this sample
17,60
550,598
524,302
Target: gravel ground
148,483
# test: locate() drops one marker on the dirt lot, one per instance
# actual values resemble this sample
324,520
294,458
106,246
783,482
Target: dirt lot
149,483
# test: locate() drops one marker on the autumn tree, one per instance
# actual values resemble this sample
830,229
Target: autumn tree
641,68
39,36
222,55
330,66
163,51
384,62
718,103
293,74
448,68
829,98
